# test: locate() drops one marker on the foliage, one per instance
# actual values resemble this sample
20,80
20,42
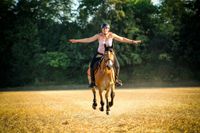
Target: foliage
55,60
34,35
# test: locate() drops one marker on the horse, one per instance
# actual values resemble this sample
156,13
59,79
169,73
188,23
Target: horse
105,80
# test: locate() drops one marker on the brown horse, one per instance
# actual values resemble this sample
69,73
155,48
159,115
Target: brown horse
105,80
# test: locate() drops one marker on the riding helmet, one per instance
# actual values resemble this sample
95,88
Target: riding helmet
104,25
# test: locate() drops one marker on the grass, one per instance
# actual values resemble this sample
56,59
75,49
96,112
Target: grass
160,110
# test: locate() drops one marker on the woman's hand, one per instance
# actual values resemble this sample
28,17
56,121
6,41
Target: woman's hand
138,42
73,41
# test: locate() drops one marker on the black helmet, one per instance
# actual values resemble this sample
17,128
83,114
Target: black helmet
105,26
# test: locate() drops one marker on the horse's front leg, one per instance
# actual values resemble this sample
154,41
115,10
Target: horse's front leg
101,100
94,105
112,95
107,103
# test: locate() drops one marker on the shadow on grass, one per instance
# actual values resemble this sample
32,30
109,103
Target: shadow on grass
134,85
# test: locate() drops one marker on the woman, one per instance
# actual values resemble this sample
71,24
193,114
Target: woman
104,38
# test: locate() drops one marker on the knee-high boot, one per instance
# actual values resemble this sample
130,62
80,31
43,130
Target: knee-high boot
117,81
92,77
117,69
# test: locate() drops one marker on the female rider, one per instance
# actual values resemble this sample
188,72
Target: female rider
104,38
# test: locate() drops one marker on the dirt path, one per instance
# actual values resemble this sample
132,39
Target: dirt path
134,110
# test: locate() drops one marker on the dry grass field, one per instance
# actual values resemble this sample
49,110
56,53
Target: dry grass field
159,110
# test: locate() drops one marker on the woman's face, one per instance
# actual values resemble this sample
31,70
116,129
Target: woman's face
105,30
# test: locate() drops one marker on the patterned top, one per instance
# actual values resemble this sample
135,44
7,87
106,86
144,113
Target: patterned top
102,41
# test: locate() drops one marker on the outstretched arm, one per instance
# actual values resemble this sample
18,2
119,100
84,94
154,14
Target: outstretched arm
84,40
125,40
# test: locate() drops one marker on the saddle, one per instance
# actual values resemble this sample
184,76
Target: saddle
96,65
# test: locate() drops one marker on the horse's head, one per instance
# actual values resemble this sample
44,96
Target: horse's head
109,57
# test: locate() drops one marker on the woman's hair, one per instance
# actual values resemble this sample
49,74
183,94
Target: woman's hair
104,25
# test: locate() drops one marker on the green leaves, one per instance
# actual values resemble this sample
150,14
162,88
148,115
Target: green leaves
34,35
55,60
164,57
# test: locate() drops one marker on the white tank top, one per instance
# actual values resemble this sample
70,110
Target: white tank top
108,42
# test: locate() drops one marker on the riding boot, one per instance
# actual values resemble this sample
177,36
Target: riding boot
117,69
117,81
92,84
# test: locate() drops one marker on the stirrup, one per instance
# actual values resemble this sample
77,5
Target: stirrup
92,85
118,83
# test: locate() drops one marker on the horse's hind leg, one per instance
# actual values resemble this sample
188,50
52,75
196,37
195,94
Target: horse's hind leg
101,100
94,105
107,104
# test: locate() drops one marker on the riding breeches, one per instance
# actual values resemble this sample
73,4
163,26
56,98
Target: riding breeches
117,67
95,59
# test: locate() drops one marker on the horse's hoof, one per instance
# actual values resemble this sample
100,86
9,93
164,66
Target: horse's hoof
94,105
110,104
107,112
101,109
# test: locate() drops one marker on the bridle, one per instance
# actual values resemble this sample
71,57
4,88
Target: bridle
109,58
